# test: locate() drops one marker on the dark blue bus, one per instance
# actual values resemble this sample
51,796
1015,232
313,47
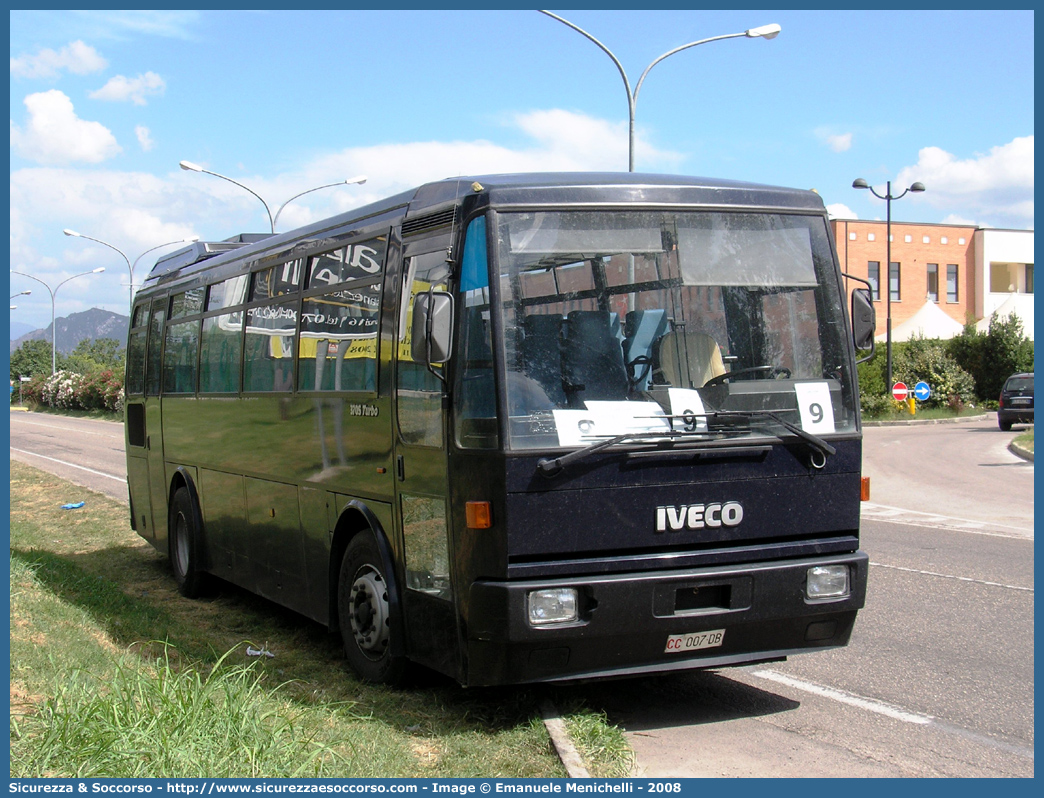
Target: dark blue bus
516,428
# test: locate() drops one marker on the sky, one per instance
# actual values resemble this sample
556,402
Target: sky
105,104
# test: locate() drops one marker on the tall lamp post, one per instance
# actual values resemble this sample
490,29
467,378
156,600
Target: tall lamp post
888,197
130,266
15,296
53,292
764,32
188,166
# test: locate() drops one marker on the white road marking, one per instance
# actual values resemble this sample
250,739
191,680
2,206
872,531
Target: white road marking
71,465
951,576
897,515
843,697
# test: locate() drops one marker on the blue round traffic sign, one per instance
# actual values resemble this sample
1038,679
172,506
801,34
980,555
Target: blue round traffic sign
921,391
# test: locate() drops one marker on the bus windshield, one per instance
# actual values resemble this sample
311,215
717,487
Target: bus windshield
707,322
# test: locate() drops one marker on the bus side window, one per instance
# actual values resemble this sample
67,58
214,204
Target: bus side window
153,373
419,391
135,381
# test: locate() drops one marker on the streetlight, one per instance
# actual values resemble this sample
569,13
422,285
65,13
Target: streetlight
54,330
764,32
188,166
130,266
887,197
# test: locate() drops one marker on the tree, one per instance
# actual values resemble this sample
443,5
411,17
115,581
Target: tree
98,355
33,359
994,356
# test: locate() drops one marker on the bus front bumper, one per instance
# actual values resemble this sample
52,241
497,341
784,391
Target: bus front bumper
659,621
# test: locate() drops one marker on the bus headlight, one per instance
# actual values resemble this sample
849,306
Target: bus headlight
551,606
827,582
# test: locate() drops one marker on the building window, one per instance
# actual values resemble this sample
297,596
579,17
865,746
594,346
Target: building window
944,240
893,281
926,240
851,236
871,237
1029,278
960,241
951,282
874,278
908,239
933,282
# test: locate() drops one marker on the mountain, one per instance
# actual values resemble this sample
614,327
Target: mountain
90,324
19,328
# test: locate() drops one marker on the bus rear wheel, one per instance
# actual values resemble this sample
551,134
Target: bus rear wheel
184,541
364,612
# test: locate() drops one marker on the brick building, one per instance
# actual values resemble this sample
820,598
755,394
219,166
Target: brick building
959,267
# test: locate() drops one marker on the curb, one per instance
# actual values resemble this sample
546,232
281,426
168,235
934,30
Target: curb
562,742
1020,451
19,409
922,422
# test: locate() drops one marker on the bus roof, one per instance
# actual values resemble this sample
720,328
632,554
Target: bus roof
559,189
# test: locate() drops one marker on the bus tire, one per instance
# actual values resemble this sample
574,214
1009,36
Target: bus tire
364,612
184,545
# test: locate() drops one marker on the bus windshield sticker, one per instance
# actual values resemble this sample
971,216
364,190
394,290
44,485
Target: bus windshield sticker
607,420
687,403
817,412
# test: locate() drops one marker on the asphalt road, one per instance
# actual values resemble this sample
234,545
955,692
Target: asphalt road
938,678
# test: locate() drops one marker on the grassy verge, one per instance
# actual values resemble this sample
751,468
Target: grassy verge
901,413
114,674
1025,440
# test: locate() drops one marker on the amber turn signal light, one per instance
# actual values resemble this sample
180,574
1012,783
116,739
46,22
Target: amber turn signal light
479,515
864,489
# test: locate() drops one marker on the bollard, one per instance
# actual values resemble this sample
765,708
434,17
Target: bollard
913,405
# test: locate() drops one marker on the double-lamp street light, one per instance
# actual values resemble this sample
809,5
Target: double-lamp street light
763,32
15,296
188,166
888,197
52,292
130,266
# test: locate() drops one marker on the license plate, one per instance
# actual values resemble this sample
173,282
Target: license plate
1021,400
695,641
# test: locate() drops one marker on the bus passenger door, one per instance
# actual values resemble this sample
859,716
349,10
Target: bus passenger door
421,481
154,422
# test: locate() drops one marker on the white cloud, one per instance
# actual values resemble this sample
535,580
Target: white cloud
144,138
55,135
838,142
997,185
122,89
838,210
136,211
76,57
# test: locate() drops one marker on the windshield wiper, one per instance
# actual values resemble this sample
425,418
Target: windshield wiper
553,465
814,441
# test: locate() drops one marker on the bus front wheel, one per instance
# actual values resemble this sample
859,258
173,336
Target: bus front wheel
184,541
365,613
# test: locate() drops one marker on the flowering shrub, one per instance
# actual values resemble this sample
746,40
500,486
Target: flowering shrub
66,390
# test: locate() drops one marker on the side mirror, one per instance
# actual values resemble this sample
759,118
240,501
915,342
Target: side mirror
432,332
864,319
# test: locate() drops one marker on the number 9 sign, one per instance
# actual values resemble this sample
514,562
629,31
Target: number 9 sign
817,413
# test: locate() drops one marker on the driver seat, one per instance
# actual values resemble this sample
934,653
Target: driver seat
689,359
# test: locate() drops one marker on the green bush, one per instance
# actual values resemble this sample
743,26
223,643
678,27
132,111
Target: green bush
993,356
926,360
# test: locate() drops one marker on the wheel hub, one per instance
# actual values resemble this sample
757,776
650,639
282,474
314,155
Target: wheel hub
370,612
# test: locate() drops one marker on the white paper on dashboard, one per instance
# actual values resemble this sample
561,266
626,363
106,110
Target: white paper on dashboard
686,402
817,411
602,420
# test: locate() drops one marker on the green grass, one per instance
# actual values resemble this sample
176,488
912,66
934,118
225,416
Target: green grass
901,413
114,674
1025,440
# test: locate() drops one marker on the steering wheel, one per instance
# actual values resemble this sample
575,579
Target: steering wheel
774,372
